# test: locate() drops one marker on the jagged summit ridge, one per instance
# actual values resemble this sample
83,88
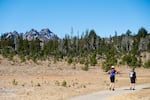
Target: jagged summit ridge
47,34
44,35
13,34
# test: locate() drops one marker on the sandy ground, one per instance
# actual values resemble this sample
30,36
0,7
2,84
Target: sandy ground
57,81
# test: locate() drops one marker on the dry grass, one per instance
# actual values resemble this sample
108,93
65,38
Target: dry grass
137,95
57,81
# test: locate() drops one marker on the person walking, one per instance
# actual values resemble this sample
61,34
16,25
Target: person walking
112,73
132,75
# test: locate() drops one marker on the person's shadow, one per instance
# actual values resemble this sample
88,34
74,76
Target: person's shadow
128,89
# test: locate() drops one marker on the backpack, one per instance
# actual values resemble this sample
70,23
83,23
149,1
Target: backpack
132,74
112,72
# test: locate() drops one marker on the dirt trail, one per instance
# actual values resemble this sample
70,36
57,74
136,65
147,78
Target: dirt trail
102,95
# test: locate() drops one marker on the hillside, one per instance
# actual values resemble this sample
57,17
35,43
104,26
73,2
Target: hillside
88,49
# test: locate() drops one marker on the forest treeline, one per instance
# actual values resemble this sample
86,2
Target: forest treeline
88,49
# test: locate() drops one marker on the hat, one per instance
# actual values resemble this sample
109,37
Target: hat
132,69
112,66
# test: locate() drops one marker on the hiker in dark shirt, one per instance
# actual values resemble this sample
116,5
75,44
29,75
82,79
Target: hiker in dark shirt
132,76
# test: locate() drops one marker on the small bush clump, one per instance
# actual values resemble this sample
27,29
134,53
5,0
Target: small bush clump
14,82
64,83
86,67
147,64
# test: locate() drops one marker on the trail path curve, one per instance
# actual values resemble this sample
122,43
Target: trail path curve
102,95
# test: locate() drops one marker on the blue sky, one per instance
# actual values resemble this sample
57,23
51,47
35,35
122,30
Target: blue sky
104,16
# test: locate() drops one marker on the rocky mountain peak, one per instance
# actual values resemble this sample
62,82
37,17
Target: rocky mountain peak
13,34
43,35
44,31
46,34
